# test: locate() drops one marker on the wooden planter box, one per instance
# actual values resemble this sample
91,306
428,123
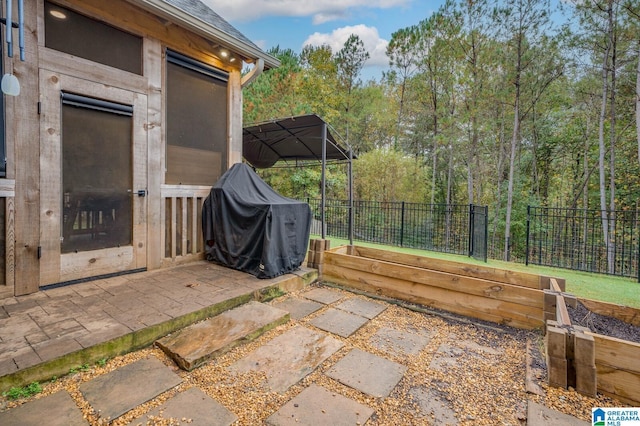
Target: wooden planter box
617,361
490,294
514,298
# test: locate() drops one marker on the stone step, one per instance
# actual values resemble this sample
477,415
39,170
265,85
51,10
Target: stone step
200,342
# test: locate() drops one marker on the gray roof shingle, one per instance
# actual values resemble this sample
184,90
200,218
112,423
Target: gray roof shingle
199,10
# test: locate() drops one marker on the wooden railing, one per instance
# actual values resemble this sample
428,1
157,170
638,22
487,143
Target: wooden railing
182,224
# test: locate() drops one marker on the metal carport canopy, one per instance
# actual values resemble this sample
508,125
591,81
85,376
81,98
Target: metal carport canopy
302,138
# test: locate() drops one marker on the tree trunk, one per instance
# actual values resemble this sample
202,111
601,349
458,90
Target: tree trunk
499,180
400,108
601,158
612,144
512,166
638,102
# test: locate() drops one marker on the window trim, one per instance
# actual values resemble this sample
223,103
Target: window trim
81,101
197,66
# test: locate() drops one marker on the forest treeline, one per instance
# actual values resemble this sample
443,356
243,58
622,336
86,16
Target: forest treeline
492,103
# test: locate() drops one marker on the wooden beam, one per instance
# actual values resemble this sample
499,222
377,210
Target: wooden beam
463,284
442,298
483,272
155,144
562,315
554,285
617,353
22,131
623,313
619,384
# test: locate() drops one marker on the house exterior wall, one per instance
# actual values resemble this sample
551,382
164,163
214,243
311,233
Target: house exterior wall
32,249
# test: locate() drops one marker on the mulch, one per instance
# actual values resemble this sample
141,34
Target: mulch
603,324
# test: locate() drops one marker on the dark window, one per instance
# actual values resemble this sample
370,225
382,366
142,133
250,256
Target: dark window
196,121
97,174
70,32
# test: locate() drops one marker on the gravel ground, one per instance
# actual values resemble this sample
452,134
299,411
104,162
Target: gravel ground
482,388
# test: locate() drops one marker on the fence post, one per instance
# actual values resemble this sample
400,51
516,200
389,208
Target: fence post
526,254
402,225
471,229
486,232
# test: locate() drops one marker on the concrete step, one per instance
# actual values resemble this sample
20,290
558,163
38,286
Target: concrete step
200,342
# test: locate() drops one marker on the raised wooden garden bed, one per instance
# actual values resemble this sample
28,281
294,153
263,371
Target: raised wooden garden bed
490,294
575,356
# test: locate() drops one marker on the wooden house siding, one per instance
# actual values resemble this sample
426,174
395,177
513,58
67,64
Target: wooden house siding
167,224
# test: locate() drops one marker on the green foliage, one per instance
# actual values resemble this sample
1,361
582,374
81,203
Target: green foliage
304,182
83,367
389,175
438,125
23,392
275,93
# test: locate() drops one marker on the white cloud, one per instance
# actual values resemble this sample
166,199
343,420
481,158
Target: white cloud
375,45
321,10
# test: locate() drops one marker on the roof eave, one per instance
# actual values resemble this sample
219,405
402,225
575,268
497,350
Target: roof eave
179,16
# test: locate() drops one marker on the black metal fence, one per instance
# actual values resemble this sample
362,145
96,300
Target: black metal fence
557,237
478,244
574,239
437,227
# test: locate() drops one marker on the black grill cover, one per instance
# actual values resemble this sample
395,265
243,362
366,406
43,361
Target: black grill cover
248,226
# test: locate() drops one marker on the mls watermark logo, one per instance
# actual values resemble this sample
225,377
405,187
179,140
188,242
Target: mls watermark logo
615,416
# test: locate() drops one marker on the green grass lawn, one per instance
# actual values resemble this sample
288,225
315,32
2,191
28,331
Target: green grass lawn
620,290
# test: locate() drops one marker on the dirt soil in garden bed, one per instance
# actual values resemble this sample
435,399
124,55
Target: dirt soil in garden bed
602,324
472,370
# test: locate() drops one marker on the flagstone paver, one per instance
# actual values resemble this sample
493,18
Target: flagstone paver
123,389
364,308
195,407
539,415
485,350
433,406
326,296
58,409
399,342
339,322
446,356
316,406
368,373
298,308
289,357
196,344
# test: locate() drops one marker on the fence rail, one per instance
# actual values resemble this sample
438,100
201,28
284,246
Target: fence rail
557,237
574,239
437,227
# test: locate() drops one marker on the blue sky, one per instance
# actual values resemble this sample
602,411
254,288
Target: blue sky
294,23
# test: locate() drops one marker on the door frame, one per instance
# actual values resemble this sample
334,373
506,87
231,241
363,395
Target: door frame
56,267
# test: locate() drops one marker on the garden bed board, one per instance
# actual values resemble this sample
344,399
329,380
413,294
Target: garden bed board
618,368
451,286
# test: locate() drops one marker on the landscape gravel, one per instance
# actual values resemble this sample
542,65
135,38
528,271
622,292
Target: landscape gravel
483,384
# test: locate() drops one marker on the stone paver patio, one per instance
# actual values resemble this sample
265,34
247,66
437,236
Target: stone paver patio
60,323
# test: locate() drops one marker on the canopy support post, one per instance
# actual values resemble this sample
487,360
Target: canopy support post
323,179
